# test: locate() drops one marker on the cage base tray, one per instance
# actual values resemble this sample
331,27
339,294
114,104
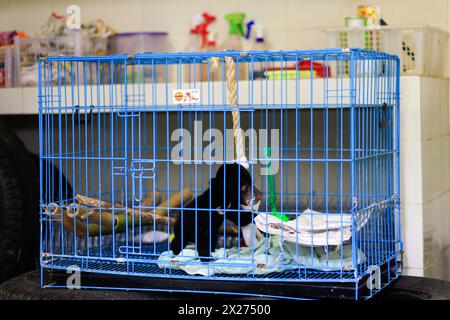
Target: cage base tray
271,289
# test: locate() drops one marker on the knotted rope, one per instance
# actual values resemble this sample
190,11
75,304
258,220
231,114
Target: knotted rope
231,82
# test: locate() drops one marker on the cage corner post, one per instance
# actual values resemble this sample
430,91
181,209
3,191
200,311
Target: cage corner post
354,196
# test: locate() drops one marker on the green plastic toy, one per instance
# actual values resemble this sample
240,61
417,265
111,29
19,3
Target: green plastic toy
236,21
272,194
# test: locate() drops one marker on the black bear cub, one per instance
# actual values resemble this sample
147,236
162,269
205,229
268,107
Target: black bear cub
231,189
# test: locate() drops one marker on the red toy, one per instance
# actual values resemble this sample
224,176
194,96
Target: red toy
321,70
202,28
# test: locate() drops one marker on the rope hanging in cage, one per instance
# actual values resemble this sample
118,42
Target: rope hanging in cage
231,82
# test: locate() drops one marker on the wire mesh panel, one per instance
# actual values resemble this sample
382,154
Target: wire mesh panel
263,167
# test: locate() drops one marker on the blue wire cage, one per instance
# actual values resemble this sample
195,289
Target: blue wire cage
127,142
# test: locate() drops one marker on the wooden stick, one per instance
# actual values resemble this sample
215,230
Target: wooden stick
68,217
175,201
75,220
75,217
146,216
96,202
82,221
148,200
118,222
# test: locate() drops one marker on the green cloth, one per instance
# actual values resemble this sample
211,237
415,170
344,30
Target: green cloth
269,254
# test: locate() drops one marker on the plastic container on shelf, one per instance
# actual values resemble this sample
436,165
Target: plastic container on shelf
7,38
423,50
139,42
7,77
27,52
133,42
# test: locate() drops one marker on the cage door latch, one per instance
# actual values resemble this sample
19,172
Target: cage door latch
143,174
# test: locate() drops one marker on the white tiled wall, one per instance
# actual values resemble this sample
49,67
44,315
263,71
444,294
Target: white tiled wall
435,170
411,179
425,177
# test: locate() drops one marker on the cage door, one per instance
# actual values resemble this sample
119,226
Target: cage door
142,177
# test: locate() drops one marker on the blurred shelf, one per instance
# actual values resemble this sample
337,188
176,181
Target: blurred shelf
251,95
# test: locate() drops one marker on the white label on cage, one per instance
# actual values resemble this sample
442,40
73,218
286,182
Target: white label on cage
186,96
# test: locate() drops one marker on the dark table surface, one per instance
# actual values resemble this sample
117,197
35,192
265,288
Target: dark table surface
26,286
